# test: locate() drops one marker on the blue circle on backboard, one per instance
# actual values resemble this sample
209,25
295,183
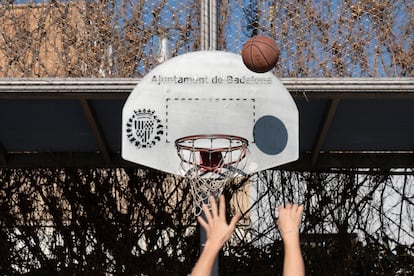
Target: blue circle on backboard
270,135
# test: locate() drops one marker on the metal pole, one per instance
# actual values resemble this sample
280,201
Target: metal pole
213,25
208,24
208,42
203,27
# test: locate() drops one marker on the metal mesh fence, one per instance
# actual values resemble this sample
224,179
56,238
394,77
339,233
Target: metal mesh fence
93,38
94,223
329,38
365,38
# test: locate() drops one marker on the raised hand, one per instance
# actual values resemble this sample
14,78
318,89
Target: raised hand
215,224
289,222
217,232
289,219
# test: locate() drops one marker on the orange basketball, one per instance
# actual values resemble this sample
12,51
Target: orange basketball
260,54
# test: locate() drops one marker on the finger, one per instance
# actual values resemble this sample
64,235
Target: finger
222,207
300,210
234,221
203,223
213,206
288,206
207,213
281,210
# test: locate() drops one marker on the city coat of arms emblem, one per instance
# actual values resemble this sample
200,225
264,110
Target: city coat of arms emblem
144,128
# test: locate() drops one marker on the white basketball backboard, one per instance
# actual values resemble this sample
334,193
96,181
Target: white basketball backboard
209,93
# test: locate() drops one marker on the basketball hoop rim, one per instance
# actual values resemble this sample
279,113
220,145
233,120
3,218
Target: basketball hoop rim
241,147
179,141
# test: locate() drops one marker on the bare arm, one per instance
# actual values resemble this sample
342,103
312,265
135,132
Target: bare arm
217,231
289,222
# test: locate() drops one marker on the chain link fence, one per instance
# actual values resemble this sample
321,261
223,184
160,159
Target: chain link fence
139,222
349,38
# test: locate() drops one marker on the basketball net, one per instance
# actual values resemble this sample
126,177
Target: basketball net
210,162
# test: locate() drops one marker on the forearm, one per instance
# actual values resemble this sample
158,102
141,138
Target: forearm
205,263
293,261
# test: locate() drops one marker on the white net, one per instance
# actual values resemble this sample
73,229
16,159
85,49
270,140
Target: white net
210,162
203,188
